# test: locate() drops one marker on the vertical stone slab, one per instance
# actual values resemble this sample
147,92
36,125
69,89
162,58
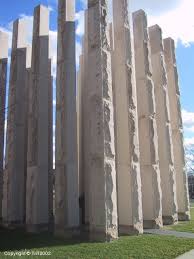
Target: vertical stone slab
101,160
177,130
166,156
126,123
66,179
50,143
80,85
39,127
85,124
3,80
16,144
149,163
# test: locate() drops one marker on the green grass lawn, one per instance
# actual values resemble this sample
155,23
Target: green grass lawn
187,226
145,246
137,247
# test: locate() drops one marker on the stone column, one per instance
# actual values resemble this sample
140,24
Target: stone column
38,184
85,124
166,156
80,85
50,143
177,130
101,159
3,80
150,173
126,123
66,179
16,142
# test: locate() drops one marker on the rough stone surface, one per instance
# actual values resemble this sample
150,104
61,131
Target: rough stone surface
66,179
39,189
177,130
50,143
166,156
126,123
148,138
3,80
85,125
101,159
80,86
16,139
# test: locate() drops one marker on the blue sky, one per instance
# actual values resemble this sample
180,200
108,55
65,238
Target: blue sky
168,14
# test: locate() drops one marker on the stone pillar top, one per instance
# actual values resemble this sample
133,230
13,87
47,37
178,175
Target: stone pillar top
139,12
3,45
19,39
169,48
140,19
155,33
41,21
67,10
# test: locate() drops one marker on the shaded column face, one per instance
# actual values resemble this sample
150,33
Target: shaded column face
149,160
15,163
126,123
166,157
3,80
85,123
177,130
66,180
39,187
101,157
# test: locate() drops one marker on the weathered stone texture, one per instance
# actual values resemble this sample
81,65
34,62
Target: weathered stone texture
39,189
16,143
101,158
150,173
177,130
50,143
66,179
126,123
80,86
85,124
166,156
3,80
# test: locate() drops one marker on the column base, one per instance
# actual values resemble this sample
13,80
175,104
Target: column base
13,224
130,230
67,233
152,224
101,236
170,220
184,216
38,228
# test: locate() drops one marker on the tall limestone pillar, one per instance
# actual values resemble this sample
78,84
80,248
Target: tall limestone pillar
126,123
39,189
3,80
150,173
66,178
101,158
85,122
166,156
177,130
80,85
16,139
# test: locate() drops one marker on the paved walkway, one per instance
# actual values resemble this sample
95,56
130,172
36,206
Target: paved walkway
189,255
169,233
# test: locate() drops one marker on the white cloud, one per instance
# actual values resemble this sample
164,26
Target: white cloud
188,118
188,122
177,23
189,141
53,50
80,19
153,6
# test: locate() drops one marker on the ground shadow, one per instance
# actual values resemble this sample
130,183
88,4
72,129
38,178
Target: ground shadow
12,240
